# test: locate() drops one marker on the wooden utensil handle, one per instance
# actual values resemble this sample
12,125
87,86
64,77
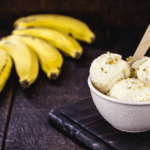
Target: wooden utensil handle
143,46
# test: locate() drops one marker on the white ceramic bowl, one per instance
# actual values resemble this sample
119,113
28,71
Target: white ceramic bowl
125,116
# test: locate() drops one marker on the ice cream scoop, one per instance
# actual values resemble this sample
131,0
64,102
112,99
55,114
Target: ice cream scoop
108,69
131,90
141,69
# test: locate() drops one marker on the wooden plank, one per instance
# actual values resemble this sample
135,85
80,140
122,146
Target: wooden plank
75,131
6,100
29,126
85,114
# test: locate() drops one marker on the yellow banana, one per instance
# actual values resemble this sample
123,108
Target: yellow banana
50,58
3,58
66,24
65,43
25,60
6,69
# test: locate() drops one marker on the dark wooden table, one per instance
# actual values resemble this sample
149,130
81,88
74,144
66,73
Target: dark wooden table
24,122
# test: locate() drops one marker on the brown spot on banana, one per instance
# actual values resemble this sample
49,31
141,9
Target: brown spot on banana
78,55
2,69
27,36
53,76
93,39
29,27
24,84
70,34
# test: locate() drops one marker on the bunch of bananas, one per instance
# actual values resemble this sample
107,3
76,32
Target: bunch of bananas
38,37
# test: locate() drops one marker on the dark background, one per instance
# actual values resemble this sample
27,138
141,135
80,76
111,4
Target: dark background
94,12
119,26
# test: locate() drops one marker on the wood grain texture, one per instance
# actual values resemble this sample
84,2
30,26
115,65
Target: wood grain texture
6,98
85,114
29,126
72,128
95,13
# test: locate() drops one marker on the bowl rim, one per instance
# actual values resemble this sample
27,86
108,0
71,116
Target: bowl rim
99,94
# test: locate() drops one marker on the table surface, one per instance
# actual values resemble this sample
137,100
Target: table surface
24,122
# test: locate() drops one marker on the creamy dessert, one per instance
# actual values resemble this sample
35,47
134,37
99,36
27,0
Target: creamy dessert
108,69
111,75
131,90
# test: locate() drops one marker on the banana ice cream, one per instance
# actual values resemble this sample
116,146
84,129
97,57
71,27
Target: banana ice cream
141,69
108,69
131,89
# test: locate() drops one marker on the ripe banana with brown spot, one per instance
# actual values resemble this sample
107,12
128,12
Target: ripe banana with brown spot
25,60
50,58
66,44
5,68
65,24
